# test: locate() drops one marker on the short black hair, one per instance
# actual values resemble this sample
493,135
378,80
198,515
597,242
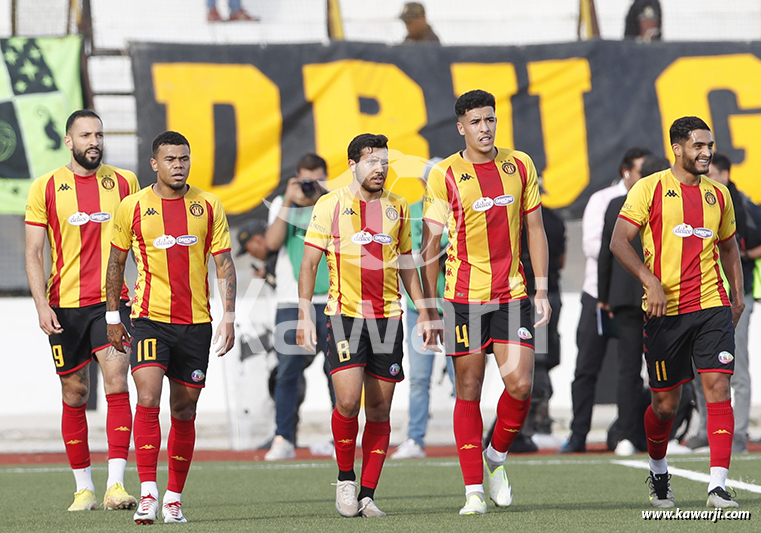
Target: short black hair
365,140
627,163
473,100
311,161
82,113
654,163
682,127
721,161
171,138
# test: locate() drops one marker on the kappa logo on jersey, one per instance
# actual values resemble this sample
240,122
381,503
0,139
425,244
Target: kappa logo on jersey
362,238
347,211
196,210
64,187
187,240
465,177
100,217
671,194
505,199
682,230
710,198
164,242
108,183
508,167
483,204
392,214
725,358
79,219
150,211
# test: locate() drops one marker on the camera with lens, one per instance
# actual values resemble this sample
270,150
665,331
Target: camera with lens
309,188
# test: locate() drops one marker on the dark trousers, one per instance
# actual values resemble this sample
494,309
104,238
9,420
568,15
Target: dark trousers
592,349
629,383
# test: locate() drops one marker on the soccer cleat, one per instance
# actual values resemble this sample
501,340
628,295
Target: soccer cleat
475,504
172,512
118,498
409,449
281,449
346,498
719,497
660,490
84,500
147,510
368,509
500,491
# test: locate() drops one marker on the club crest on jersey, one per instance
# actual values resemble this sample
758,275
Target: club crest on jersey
100,217
710,198
725,358
394,369
508,167
483,204
187,240
382,238
108,183
362,238
392,214
524,334
79,219
164,242
682,230
703,233
196,210
197,375
505,199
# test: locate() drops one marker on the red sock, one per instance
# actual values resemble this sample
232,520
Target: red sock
180,446
74,432
468,431
345,439
511,414
374,448
720,424
147,434
118,425
658,432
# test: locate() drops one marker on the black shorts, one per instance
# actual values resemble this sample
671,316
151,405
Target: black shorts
181,350
84,333
672,343
374,343
470,328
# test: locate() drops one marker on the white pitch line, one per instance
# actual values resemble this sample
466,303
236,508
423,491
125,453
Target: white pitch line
694,476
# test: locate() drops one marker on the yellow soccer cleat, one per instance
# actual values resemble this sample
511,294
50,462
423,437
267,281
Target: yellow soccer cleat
118,498
84,500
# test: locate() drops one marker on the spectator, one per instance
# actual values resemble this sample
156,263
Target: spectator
643,21
418,29
237,13
592,346
252,241
289,217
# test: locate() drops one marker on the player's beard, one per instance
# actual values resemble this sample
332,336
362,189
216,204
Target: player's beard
691,166
81,158
371,187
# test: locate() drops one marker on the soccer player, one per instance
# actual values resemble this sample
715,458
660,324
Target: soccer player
686,221
484,195
74,206
172,227
364,230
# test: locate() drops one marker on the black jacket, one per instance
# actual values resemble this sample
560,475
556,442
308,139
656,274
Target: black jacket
616,286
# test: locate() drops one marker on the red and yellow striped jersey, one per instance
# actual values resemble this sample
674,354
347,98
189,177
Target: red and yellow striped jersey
78,214
172,240
680,226
483,206
362,242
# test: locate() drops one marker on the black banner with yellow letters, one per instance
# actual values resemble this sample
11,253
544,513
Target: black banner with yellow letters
250,112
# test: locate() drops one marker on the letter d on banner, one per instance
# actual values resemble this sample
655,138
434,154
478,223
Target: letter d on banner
190,90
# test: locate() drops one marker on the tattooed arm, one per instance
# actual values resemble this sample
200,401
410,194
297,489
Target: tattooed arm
227,281
117,333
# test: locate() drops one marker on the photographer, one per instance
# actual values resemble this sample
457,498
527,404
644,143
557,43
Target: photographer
289,217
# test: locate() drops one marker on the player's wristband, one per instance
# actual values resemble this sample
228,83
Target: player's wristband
113,317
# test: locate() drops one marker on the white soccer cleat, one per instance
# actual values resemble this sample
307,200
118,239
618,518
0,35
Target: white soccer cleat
368,509
172,513
346,498
500,491
475,504
280,450
147,510
409,449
